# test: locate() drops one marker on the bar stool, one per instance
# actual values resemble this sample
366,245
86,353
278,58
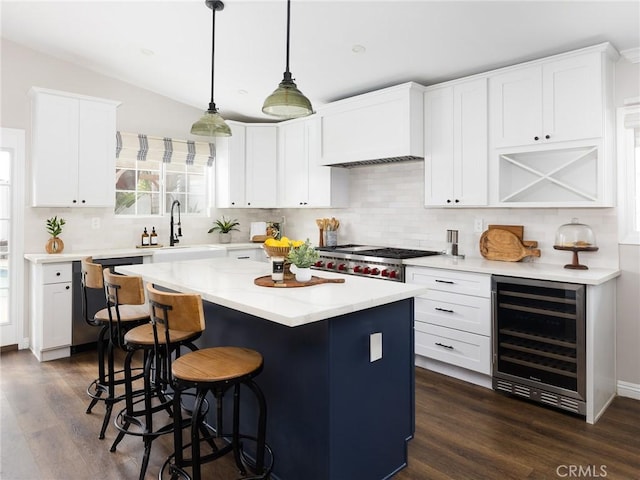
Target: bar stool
103,388
139,417
214,370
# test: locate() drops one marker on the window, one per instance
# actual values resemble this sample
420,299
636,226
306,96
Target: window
629,174
152,172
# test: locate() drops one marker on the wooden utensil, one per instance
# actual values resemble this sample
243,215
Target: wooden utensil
503,245
320,224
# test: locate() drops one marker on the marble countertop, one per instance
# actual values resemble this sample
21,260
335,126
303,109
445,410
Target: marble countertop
229,282
70,256
535,270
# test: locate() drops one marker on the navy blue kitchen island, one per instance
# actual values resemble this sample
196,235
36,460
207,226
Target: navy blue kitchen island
333,413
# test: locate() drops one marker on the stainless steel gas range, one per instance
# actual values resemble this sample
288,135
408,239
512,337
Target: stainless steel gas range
376,262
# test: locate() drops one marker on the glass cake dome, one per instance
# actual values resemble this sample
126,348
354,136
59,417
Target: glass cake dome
575,237
575,234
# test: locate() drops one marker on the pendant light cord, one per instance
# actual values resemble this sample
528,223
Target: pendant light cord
212,105
288,33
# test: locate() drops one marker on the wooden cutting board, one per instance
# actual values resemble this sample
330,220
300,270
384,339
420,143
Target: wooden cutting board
518,230
266,281
503,245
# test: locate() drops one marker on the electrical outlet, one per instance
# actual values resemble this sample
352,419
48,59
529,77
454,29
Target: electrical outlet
478,225
95,223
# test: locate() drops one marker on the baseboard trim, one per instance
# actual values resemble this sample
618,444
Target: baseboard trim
630,390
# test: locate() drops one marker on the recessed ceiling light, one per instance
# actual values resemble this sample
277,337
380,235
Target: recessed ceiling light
242,92
358,49
147,52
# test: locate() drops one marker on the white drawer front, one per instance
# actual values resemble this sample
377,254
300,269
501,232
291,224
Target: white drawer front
463,349
462,312
56,273
467,283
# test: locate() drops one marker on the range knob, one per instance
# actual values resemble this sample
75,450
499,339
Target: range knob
319,263
342,267
393,274
366,270
357,269
375,271
330,265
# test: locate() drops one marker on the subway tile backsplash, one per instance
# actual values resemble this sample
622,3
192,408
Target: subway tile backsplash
386,208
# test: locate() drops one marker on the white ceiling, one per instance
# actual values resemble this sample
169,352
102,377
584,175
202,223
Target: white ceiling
423,41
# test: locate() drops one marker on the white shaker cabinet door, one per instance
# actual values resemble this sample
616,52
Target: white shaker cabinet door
56,311
293,165
572,98
260,167
96,154
55,150
516,107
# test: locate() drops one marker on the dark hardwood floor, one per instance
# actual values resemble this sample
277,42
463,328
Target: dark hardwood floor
463,432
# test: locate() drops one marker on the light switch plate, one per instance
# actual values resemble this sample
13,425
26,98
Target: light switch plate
375,346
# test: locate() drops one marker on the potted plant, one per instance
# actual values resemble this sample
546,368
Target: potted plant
302,256
54,228
224,228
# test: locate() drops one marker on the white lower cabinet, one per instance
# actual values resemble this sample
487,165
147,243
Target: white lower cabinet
453,319
51,311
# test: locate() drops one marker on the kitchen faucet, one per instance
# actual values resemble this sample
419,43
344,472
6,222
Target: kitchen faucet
173,239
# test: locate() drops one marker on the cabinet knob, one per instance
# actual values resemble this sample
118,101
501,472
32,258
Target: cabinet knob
84,201
448,200
233,203
457,201
536,138
248,203
74,201
547,137
57,274
67,287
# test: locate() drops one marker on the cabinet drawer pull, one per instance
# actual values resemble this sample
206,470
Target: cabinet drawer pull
445,281
443,310
444,346
245,257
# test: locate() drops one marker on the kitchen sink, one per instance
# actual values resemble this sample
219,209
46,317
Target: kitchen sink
187,252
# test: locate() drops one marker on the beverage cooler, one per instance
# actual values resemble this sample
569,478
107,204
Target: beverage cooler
539,341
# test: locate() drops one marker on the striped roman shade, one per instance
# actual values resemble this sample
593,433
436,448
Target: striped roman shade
137,146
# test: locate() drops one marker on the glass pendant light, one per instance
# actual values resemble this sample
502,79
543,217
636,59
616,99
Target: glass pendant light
212,124
287,101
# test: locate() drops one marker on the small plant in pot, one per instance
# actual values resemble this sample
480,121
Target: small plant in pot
224,228
54,228
302,256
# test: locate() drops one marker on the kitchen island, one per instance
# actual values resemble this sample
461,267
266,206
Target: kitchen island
339,405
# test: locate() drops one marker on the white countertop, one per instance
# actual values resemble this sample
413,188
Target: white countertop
535,270
229,282
70,256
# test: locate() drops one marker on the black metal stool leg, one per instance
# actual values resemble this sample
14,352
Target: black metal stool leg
196,419
262,424
100,382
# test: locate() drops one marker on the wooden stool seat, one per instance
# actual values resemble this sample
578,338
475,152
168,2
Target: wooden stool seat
128,313
143,336
218,364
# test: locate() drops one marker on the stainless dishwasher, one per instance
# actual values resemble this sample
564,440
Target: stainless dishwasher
84,336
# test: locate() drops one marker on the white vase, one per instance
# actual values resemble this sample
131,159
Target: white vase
224,237
303,274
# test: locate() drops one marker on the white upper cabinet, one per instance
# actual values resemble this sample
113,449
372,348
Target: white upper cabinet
385,124
551,131
246,167
303,182
456,154
555,100
73,150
